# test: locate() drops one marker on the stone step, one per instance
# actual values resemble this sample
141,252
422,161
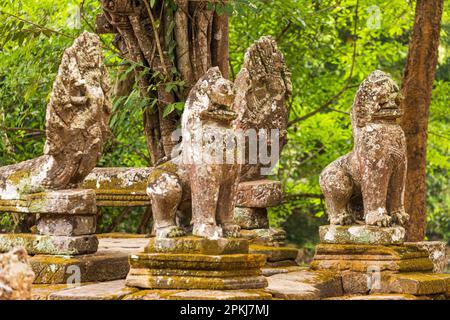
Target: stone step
420,283
100,266
275,253
221,295
45,244
363,234
112,290
305,285
376,297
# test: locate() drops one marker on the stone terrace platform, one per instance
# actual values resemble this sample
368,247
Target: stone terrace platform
285,283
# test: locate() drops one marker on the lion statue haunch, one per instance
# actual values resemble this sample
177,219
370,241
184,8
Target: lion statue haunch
369,182
76,125
206,172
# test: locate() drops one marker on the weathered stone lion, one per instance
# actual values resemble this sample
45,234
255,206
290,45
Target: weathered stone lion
202,177
369,182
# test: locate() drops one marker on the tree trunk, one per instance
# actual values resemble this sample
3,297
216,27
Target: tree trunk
416,88
173,43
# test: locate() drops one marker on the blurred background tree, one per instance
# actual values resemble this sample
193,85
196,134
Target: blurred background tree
330,46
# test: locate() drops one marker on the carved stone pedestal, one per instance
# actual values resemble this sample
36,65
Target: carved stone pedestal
253,199
373,260
196,263
66,223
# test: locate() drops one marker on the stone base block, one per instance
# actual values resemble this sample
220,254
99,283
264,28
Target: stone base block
437,251
305,285
71,201
251,218
112,290
361,235
371,258
221,295
259,194
275,254
268,237
100,266
196,263
213,283
197,245
53,245
420,283
66,225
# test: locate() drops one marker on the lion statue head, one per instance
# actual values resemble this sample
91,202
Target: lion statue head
378,98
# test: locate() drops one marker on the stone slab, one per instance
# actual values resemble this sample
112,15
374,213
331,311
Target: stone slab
269,237
112,290
361,235
151,294
100,266
45,244
371,281
176,282
282,263
420,283
270,271
376,297
327,283
259,194
275,253
66,225
118,186
362,258
197,245
291,290
221,295
197,261
437,251
71,201
42,291
251,218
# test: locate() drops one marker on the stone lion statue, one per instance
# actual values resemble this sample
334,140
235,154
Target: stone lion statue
200,179
369,182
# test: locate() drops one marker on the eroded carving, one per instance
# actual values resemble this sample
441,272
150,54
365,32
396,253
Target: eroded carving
76,125
369,182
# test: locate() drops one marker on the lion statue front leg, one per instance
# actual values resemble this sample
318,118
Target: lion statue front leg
337,186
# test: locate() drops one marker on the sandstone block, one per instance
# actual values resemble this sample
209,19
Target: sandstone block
197,245
214,283
66,225
112,290
221,295
251,218
197,261
420,283
363,258
269,237
16,275
275,253
259,194
376,297
66,202
363,234
151,294
322,283
437,251
100,266
45,244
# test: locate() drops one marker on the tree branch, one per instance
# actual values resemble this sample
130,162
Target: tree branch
347,85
